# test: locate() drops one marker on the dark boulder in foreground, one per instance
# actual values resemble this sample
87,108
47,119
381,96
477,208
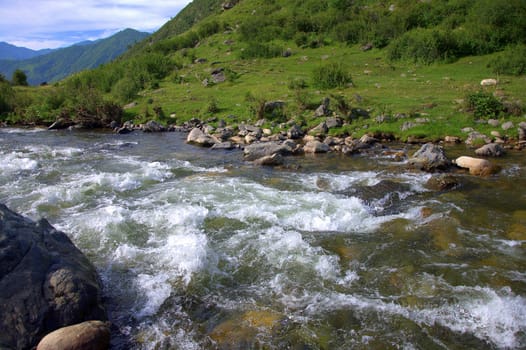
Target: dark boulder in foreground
45,282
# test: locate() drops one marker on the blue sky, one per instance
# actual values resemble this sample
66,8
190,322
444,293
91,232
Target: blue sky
39,24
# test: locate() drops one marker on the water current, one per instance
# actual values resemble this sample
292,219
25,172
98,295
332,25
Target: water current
198,249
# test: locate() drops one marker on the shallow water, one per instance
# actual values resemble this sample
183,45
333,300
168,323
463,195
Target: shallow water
198,249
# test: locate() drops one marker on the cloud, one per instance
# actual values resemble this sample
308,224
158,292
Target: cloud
54,23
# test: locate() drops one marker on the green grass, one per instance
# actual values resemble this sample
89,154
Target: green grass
432,91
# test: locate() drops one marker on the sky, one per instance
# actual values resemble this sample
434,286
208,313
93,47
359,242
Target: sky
42,24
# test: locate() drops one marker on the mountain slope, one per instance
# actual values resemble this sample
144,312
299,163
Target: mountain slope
63,62
12,52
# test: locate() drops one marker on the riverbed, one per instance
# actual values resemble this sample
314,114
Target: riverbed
198,249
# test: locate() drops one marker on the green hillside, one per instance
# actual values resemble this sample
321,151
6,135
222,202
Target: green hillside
61,63
399,61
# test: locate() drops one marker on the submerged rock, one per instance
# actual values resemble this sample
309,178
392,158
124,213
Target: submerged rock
45,282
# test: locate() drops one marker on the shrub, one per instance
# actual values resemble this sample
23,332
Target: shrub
483,104
331,76
424,46
512,61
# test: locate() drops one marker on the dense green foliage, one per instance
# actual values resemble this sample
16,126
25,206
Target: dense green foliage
511,61
331,76
61,63
19,78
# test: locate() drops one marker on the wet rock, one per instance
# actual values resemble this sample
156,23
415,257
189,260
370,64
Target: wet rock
490,150
316,147
89,335
442,182
476,166
273,160
61,124
45,282
385,197
369,140
226,145
430,157
198,137
260,150
153,126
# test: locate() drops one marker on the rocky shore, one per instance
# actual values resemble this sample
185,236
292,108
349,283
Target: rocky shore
46,284
267,148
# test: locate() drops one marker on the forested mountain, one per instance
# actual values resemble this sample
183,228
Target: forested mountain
60,63
12,52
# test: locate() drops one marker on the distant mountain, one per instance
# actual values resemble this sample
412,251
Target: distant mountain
12,52
61,63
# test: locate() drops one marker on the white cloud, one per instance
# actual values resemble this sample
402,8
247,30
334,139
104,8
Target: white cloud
53,23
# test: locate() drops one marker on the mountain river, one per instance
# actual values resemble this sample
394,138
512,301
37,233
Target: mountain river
198,249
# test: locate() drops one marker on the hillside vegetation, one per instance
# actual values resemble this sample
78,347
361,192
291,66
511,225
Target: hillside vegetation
389,62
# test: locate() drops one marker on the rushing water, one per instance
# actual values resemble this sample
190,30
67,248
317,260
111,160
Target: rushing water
199,250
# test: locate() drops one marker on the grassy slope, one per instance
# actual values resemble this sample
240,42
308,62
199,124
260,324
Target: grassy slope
383,87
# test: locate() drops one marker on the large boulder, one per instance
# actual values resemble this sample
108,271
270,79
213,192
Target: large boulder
430,157
316,147
260,150
46,283
89,335
476,166
199,137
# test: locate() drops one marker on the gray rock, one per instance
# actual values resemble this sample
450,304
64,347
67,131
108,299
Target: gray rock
507,125
226,145
334,122
153,126
430,157
321,129
45,282
490,150
198,137
260,150
323,109
316,147
89,335
493,122
295,133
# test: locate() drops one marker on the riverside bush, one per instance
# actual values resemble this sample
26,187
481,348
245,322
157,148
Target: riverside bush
484,105
331,76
